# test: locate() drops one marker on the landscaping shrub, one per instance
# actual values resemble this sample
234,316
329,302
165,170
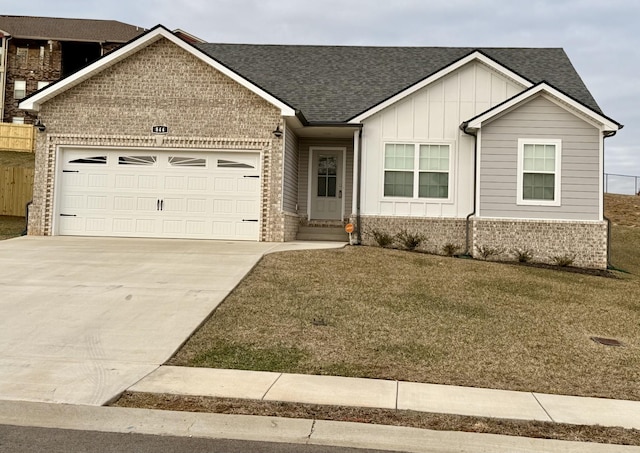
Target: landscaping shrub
523,255
408,241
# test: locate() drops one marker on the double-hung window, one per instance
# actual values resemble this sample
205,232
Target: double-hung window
539,172
416,170
19,89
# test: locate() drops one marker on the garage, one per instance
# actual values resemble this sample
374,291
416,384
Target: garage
158,194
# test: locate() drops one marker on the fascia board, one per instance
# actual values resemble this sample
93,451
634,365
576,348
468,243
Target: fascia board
32,103
474,56
544,88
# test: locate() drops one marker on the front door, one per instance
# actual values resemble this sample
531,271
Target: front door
326,184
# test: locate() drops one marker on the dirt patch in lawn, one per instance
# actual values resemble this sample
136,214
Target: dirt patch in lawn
11,226
442,422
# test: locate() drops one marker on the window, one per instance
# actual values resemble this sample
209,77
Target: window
90,160
222,163
17,120
327,176
137,160
19,89
41,85
176,161
425,173
539,172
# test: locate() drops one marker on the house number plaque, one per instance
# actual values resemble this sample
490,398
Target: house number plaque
159,129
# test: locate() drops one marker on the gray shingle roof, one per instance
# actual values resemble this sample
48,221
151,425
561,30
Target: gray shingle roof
29,27
336,83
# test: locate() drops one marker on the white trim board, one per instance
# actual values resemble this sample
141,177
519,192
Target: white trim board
475,56
33,103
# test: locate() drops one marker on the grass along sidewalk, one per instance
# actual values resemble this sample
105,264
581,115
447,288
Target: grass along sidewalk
379,313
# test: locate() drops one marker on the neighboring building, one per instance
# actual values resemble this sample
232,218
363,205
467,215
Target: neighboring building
497,148
35,51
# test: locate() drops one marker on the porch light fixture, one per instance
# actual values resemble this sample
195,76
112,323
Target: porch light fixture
40,125
277,132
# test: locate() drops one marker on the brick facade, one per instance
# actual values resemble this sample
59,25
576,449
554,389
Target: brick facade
161,84
583,242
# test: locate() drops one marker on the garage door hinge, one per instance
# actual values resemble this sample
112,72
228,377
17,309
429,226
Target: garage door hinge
68,215
249,220
251,176
70,171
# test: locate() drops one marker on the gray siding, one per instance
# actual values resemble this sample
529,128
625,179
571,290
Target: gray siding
580,172
290,183
303,170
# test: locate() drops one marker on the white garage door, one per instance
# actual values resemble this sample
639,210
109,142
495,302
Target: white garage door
159,194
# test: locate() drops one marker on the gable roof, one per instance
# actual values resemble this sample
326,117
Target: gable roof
59,29
338,83
32,102
606,123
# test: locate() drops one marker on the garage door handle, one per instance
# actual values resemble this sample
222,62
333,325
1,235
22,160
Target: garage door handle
162,205
70,171
157,205
251,176
249,220
67,215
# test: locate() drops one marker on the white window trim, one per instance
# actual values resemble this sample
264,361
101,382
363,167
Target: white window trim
416,172
558,176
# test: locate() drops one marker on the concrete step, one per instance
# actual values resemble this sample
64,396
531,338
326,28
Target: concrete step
322,234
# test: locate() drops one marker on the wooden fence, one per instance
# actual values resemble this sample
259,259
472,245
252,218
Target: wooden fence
16,190
17,137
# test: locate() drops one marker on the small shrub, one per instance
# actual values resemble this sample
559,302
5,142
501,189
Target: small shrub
409,241
487,252
523,255
450,249
564,260
382,238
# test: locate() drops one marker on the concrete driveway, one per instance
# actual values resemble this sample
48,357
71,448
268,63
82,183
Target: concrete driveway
82,319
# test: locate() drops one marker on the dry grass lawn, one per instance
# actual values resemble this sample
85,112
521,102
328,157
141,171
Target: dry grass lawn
11,226
379,313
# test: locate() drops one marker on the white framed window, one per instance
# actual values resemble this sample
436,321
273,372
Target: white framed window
41,85
19,89
17,120
539,164
417,170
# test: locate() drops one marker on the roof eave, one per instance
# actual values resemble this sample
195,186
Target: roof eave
475,55
33,102
607,124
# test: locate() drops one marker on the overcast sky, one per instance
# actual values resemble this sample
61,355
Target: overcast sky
601,37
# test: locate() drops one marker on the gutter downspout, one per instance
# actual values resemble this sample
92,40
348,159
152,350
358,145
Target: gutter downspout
359,176
607,135
463,128
3,74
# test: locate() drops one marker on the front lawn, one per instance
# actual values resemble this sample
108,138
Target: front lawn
371,312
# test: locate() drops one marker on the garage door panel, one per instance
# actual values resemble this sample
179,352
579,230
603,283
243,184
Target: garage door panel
192,196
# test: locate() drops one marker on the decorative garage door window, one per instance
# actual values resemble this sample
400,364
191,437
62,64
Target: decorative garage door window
176,161
222,163
90,160
137,160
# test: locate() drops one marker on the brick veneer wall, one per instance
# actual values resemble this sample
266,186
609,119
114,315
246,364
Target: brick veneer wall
437,232
586,241
160,85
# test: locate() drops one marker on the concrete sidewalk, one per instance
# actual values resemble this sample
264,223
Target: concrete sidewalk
376,393
275,429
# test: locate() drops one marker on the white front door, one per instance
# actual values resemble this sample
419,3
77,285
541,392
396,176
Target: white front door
326,184
154,193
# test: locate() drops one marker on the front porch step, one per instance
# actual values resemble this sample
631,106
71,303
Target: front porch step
324,233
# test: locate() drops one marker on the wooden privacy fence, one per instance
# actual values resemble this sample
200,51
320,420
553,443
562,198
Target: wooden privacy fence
16,137
16,190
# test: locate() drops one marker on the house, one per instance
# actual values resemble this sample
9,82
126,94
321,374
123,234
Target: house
474,148
35,51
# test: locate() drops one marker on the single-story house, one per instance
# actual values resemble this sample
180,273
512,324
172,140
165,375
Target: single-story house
479,149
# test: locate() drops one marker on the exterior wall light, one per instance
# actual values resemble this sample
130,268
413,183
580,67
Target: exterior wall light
40,125
277,132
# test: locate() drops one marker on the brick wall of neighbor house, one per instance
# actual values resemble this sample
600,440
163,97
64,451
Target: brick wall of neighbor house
32,68
160,85
436,232
586,242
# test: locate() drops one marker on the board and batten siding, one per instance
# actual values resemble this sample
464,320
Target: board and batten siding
432,115
303,170
580,165
290,172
